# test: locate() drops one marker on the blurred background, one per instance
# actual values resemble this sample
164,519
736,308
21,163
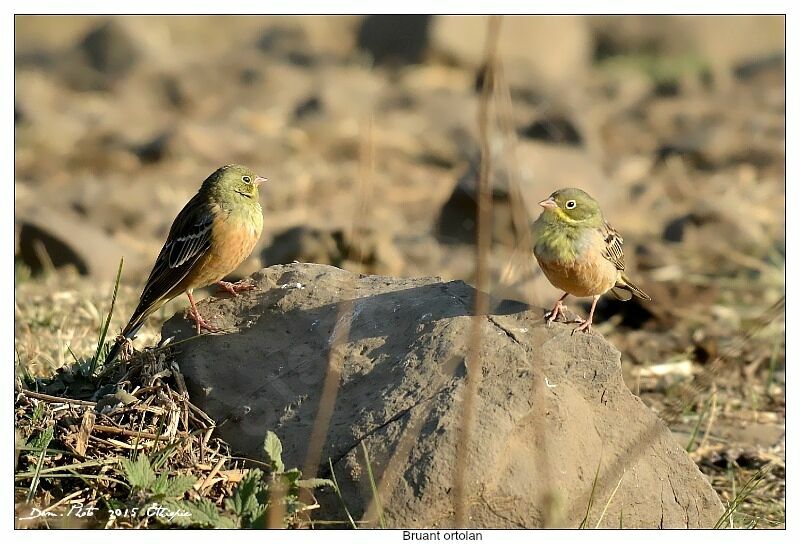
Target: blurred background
367,129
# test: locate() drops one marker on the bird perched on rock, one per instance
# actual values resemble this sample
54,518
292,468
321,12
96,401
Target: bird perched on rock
209,239
579,252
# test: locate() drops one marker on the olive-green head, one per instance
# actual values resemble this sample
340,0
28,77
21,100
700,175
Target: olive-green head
571,206
234,179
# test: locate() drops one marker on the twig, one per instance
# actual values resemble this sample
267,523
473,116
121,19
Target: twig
207,481
125,432
52,398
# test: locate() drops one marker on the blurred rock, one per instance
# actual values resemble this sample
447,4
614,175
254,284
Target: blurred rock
105,55
551,410
19,115
553,129
395,39
175,92
307,108
289,43
60,239
156,149
110,50
722,41
752,68
557,49
372,248
539,170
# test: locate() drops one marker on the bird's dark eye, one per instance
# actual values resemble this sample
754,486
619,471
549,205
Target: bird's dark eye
246,179
570,205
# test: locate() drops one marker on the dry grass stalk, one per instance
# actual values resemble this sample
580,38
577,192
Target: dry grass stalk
482,251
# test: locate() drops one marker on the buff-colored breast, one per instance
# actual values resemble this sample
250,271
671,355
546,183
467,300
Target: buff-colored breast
233,237
585,274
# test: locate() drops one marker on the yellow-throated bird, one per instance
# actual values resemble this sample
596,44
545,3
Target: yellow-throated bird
210,237
579,252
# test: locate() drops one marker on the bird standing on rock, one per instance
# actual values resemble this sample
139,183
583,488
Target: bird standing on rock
211,236
579,252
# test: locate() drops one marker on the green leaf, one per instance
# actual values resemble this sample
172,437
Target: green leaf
313,483
274,449
203,513
172,487
179,485
42,440
160,457
38,414
291,476
249,499
139,473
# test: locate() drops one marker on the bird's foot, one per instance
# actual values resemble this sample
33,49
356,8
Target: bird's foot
236,287
201,322
552,315
585,326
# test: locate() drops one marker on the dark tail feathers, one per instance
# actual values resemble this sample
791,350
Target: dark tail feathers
624,284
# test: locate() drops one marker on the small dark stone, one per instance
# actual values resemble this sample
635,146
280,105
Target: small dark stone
553,129
691,155
308,108
674,230
174,92
43,60
667,88
755,67
155,149
110,50
395,39
250,76
288,43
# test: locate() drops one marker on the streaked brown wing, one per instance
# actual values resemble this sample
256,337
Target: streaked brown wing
613,246
189,238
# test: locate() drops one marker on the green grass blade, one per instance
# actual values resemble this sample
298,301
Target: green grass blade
104,327
747,489
611,498
48,436
339,494
696,428
374,487
585,520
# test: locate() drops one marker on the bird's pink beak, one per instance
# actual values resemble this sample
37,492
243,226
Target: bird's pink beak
259,180
549,203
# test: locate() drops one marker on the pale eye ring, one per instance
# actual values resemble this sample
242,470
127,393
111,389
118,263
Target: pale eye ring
570,205
246,179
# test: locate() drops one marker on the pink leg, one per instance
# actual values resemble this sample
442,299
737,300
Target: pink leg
586,326
558,309
235,288
194,315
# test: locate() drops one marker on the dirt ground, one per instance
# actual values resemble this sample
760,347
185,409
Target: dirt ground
367,130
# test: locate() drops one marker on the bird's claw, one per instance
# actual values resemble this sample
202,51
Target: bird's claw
235,288
202,323
553,314
585,326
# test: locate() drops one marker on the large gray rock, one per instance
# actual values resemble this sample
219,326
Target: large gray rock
550,409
